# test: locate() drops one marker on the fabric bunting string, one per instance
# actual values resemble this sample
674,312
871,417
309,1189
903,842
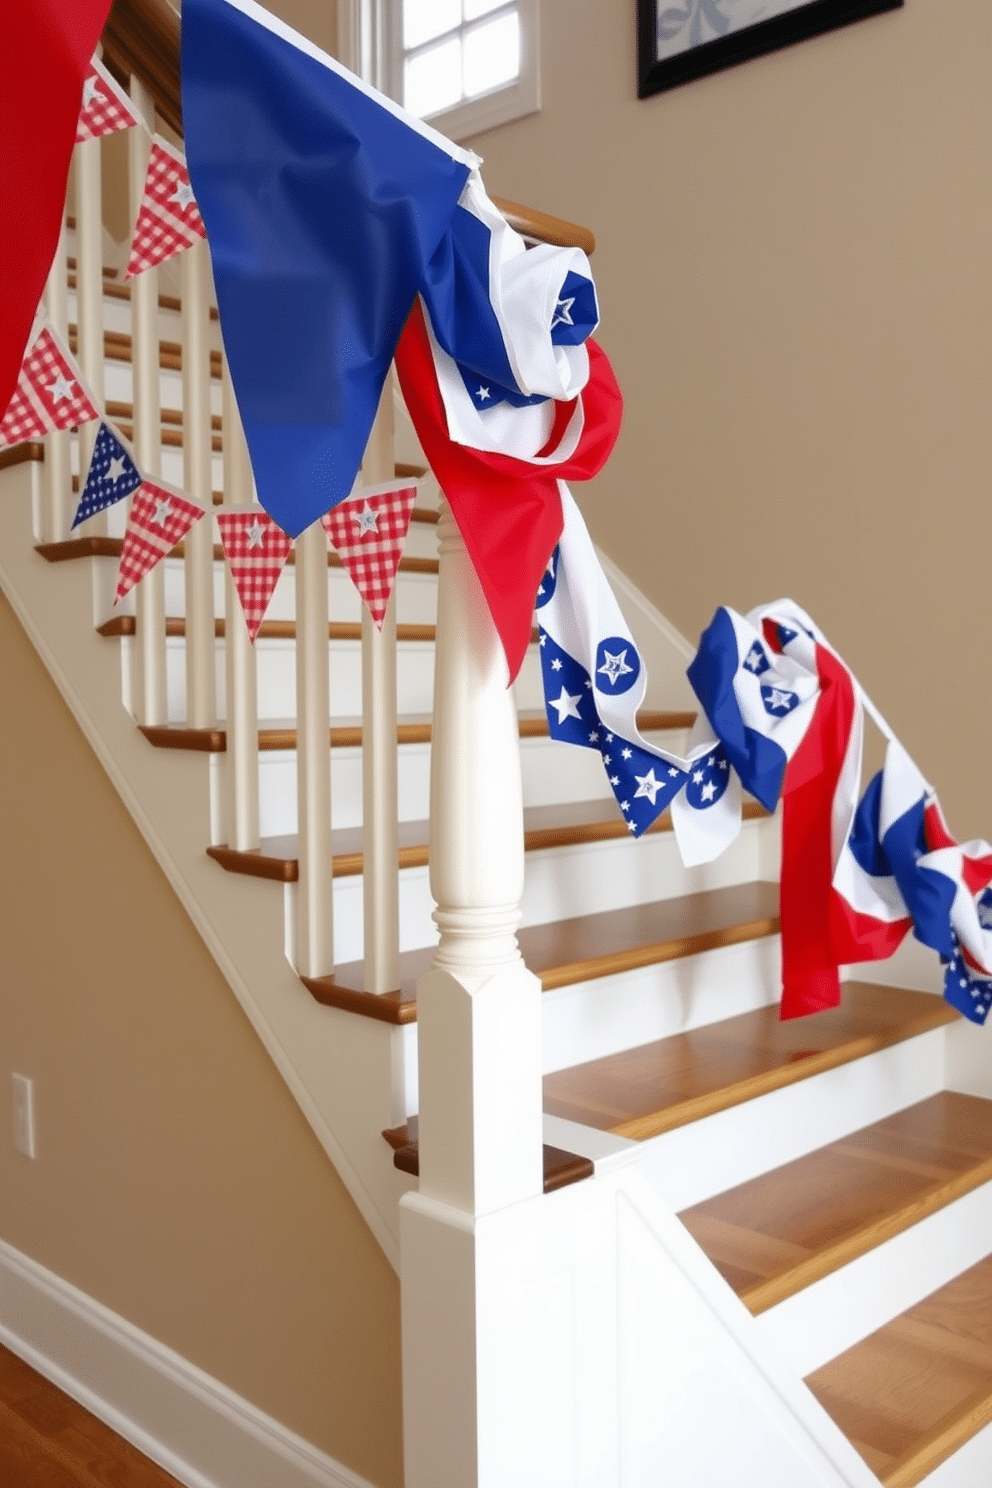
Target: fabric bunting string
256,549
368,532
159,518
168,219
106,108
50,392
112,475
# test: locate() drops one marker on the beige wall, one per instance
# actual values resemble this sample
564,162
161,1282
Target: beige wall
176,1180
794,272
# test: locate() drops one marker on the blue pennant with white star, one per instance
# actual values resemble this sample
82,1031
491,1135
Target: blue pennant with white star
112,476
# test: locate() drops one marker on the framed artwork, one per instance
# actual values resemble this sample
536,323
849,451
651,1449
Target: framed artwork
679,40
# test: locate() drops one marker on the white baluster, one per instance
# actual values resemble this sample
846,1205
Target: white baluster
55,516
241,759
313,900
201,679
479,1035
149,680
379,765
89,296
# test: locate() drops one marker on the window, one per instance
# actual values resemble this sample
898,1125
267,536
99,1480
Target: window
466,65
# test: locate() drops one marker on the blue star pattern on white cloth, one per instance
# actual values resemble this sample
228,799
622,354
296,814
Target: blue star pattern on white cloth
708,779
966,989
112,476
642,783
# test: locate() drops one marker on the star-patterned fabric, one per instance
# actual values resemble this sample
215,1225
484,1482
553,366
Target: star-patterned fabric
169,220
111,476
368,532
50,393
159,518
256,549
106,108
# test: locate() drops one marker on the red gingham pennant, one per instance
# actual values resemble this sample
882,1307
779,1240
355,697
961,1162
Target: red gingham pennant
169,220
158,519
256,549
106,107
50,392
368,531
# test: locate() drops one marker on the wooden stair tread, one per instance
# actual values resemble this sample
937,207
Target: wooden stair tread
583,948
277,734
271,630
918,1388
780,1232
641,1092
564,825
560,1167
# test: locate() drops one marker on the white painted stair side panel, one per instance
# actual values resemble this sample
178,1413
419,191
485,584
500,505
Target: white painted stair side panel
969,1467
706,1157
836,1312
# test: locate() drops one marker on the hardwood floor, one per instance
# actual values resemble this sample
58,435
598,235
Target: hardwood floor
48,1441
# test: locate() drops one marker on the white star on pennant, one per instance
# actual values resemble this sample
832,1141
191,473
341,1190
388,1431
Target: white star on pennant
563,313
61,388
779,699
566,704
752,660
672,771
708,791
91,90
115,469
482,394
615,667
183,195
594,737
556,665
367,520
254,534
162,509
697,777
648,786
631,826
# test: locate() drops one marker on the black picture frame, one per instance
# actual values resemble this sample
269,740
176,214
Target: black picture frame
806,18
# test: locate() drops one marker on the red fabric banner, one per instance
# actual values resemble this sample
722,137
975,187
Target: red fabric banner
508,511
45,55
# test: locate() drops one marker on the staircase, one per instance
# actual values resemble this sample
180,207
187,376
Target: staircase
762,1252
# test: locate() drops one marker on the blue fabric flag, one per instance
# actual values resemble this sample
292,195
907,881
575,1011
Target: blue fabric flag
112,476
323,204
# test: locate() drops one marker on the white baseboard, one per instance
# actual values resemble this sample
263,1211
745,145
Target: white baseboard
189,1423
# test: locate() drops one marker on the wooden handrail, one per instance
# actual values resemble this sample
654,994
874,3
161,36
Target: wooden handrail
142,36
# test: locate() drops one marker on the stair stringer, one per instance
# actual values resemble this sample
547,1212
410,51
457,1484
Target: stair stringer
610,1354
345,1073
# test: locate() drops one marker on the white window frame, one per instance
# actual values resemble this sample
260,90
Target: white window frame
370,42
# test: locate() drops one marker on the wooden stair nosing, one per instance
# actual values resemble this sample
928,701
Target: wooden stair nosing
349,735
276,857
724,917
922,1136
272,630
951,1432
561,1168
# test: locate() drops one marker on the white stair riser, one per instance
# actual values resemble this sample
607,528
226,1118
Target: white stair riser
118,384
695,1162
416,906
599,876
567,772
589,1020
833,1314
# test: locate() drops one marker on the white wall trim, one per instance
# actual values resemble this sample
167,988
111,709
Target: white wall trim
186,1421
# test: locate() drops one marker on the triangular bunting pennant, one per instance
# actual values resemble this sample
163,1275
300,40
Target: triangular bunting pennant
169,220
50,392
368,531
159,518
112,475
106,107
256,549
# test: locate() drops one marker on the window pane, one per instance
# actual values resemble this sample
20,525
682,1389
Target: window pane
433,80
476,8
423,19
492,55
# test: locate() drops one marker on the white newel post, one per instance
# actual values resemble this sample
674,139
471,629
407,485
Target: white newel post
314,932
148,689
201,680
380,877
479,1033
54,518
241,759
